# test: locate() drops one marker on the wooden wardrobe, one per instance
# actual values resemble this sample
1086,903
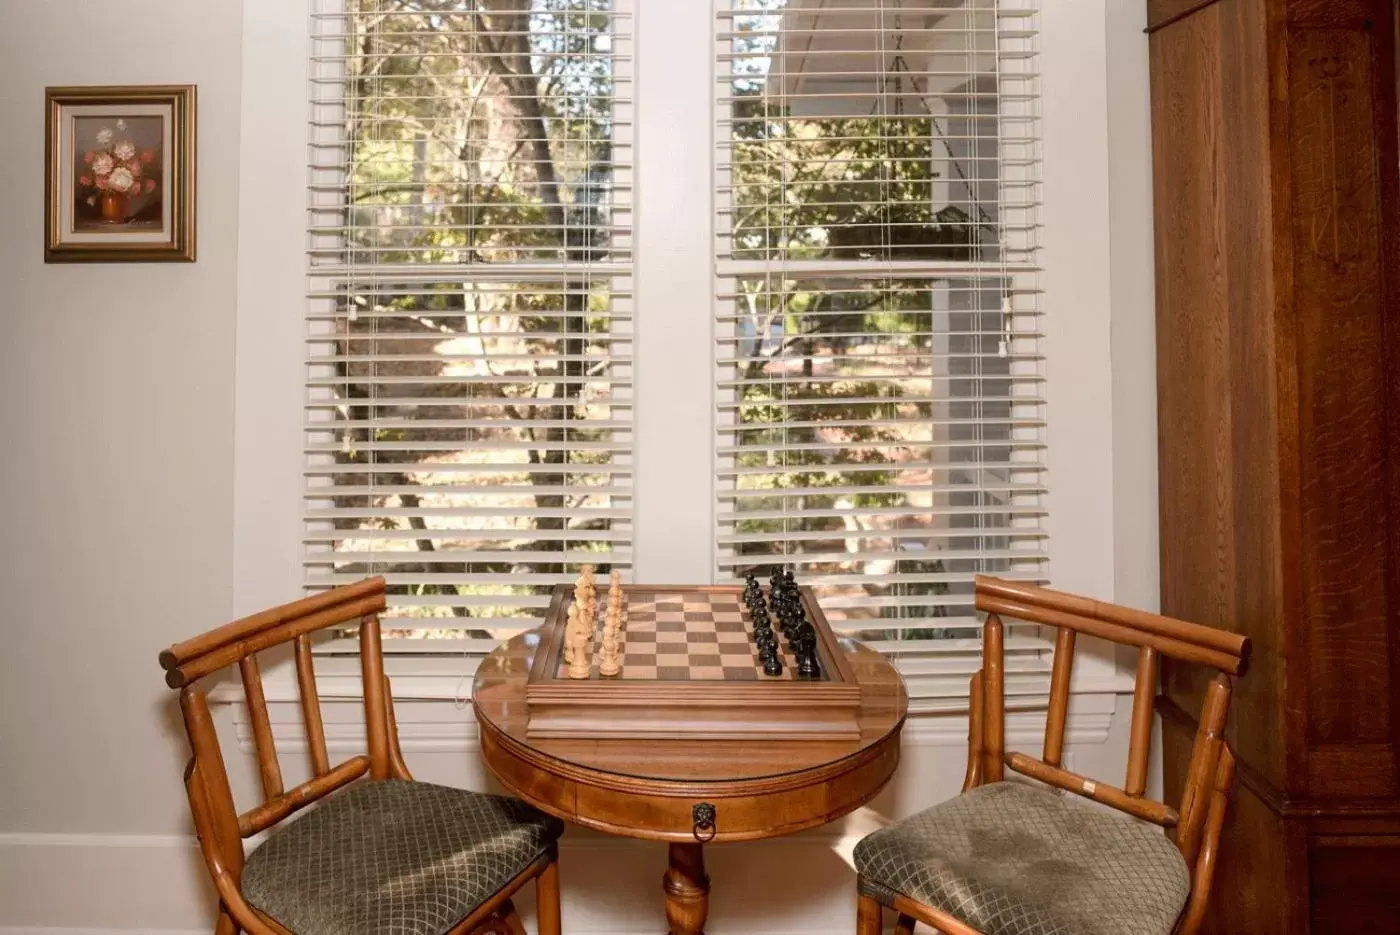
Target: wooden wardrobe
1277,186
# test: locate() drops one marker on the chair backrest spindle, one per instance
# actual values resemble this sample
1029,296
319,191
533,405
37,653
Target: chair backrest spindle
1059,697
994,700
311,707
1140,732
376,713
268,768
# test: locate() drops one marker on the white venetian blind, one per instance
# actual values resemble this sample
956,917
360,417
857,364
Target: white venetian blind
881,414
468,408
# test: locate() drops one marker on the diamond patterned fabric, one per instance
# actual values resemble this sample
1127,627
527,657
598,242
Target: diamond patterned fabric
1013,859
393,858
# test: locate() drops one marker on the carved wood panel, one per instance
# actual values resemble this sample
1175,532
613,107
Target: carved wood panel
1338,304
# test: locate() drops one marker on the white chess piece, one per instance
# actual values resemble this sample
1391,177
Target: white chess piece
610,663
578,668
586,592
570,628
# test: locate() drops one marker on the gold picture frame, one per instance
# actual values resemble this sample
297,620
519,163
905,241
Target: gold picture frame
119,181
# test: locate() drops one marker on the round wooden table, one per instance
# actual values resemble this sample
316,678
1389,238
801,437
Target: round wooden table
689,793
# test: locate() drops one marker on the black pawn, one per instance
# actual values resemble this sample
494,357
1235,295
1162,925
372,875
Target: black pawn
772,665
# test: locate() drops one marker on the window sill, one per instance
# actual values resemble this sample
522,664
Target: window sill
433,700
436,677
445,673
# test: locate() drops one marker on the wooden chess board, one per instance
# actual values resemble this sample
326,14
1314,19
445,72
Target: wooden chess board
680,635
689,668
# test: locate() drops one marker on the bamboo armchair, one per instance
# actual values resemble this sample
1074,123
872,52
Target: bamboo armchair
976,886
222,829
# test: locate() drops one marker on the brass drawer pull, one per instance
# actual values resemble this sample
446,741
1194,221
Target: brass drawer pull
704,817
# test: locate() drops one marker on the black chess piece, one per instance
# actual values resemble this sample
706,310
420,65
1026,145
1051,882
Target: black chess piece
790,581
803,639
773,665
807,666
766,641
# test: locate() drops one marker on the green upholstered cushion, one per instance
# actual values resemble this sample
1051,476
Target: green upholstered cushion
393,858
1013,859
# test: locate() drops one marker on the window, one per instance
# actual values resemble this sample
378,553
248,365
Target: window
880,381
468,405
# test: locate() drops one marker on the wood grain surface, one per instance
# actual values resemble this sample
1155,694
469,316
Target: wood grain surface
1277,192
655,789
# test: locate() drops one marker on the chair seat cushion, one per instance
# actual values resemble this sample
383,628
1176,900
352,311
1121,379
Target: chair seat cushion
1013,859
393,858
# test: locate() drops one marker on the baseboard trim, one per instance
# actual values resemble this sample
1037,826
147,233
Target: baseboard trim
155,884
77,883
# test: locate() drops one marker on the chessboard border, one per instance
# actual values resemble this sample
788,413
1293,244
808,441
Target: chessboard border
545,685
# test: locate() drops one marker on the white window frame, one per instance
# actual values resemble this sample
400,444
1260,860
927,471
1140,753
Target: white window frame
674,415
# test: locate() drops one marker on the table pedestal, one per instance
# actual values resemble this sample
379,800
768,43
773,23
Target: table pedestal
687,890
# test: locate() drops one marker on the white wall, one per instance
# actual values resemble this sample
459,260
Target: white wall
116,468
130,478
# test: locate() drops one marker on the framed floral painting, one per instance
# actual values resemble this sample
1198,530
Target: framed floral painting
120,163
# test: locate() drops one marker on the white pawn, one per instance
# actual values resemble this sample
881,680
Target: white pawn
609,664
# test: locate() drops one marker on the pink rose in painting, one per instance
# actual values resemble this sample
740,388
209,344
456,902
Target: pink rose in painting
148,156
101,183
87,157
102,164
85,180
135,167
150,185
